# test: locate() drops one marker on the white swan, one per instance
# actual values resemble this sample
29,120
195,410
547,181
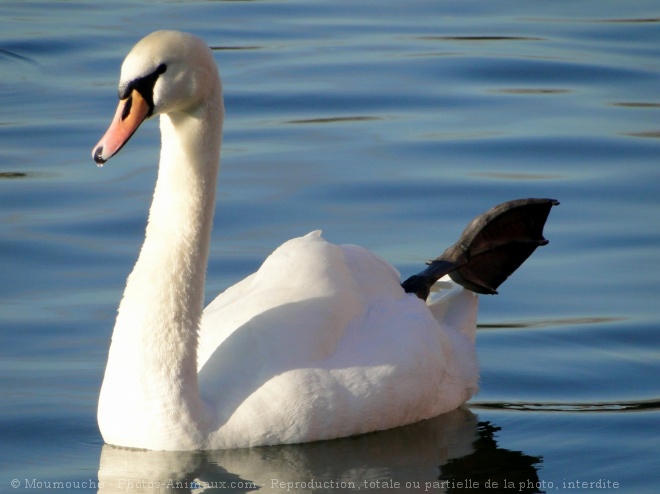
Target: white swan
321,342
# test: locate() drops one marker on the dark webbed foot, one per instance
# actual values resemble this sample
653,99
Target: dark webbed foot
490,249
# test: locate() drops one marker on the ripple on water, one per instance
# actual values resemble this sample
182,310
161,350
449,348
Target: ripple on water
623,406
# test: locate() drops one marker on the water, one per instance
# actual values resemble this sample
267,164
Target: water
389,125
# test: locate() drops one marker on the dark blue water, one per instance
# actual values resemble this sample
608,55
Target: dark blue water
388,125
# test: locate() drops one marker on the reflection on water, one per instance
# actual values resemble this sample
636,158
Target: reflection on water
333,120
491,467
12,175
652,134
571,407
550,323
436,455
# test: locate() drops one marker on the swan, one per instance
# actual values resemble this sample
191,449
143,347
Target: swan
323,341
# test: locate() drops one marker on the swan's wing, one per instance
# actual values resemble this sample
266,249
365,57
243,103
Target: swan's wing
300,299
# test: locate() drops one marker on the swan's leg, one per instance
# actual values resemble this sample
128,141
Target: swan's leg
490,249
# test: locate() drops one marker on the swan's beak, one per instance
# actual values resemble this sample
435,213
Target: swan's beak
131,112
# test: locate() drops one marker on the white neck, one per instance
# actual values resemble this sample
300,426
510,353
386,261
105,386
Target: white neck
150,391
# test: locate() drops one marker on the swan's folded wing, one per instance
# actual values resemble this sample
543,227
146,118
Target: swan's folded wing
298,304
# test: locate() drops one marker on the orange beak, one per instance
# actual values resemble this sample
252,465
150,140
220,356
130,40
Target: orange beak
131,112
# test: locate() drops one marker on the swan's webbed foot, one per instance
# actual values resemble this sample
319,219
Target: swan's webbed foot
490,249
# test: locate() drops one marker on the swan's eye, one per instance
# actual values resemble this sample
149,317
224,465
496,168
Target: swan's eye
143,85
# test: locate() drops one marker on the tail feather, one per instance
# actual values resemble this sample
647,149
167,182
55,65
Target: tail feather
490,248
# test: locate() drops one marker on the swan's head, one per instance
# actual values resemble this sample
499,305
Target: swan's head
165,72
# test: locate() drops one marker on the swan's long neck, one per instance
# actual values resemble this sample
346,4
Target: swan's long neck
150,388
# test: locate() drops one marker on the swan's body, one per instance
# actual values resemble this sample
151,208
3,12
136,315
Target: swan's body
321,342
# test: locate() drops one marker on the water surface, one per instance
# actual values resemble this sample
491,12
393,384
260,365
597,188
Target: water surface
388,125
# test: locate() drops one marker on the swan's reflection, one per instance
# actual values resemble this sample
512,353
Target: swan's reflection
491,468
408,458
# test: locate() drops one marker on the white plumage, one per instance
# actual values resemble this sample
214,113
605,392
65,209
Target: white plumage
321,342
